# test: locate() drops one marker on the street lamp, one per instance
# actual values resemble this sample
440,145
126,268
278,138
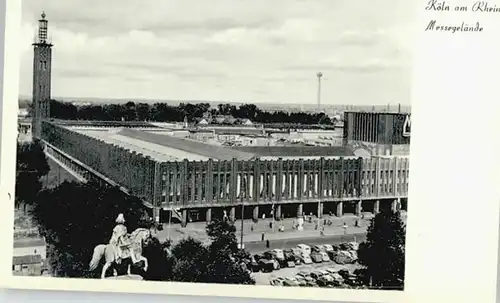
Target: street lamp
170,219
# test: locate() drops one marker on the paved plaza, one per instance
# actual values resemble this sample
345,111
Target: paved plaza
252,232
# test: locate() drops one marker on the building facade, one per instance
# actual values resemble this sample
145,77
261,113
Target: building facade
377,134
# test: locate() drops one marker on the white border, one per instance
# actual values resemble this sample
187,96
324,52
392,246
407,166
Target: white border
449,173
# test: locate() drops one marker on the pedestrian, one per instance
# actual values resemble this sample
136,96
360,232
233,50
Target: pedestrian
324,222
251,227
263,236
267,244
345,228
270,225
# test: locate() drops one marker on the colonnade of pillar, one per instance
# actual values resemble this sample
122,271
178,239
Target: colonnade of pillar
230,213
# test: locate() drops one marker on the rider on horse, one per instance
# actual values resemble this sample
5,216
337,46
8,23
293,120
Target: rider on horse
117,239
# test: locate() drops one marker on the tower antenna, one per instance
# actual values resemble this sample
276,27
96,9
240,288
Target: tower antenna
319,75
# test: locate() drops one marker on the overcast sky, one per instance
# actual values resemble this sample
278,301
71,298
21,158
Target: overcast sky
249,50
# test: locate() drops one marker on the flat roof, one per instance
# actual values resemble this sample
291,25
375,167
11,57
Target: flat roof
29,242
161,146
189,146
297,151
28,259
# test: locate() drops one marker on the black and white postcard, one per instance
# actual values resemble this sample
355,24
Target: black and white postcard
250,144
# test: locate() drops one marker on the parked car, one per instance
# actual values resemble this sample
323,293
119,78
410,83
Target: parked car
316,275
310,279
332,254
290,282
296,251
325,280
303,274
269,255
323,272
305,249
331,270
318,248
338,278
328,248
268,265
312,284
290,257
306,259
278,254
253,265
301,280
278,281
325,256
316,257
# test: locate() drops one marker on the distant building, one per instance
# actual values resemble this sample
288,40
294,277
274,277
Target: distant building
29,265
23,113
202,121
246,122
377,134
33,247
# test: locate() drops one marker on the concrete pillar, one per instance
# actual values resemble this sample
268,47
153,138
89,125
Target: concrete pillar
278,212
156,214
320,209
300,210
256,212
232,214
208,216
359,208
394,206
376,207
184,217
340,209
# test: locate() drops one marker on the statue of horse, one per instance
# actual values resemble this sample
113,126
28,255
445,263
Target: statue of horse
131,248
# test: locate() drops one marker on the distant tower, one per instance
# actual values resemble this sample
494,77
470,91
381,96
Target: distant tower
319,75
42,59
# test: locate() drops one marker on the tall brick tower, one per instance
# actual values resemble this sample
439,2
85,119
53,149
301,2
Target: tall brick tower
42,59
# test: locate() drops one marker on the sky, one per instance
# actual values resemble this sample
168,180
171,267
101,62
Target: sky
233,50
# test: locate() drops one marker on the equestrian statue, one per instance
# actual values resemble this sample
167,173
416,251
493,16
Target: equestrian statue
121,247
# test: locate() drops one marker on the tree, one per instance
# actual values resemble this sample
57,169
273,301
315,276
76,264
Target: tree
224,265
190,263
219,262
75,217
383,252
159,255
31,165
